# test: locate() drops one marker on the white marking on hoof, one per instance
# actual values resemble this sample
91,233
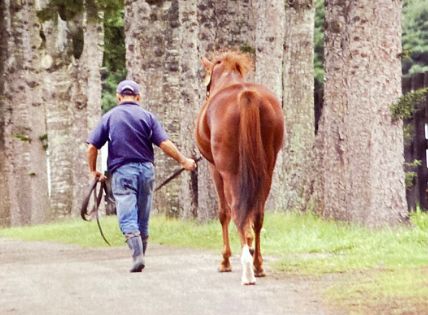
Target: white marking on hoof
248,277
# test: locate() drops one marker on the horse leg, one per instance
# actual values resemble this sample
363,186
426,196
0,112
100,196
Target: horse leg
246,260
258,259
224,217
231,200
249,236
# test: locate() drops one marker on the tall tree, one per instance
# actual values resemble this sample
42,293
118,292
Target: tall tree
72,59
298,100
189,102
360,148
58,82
86,95
24,161
269,47
4,183
284,41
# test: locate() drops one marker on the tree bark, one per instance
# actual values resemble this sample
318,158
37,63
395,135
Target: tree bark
189,104
86,95
25,159
4,49
360,148
59,78
269,43
298,102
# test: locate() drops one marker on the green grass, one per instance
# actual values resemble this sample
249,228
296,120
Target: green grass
375,267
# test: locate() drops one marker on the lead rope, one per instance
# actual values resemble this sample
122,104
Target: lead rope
97,200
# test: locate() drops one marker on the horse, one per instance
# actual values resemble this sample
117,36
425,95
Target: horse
239,131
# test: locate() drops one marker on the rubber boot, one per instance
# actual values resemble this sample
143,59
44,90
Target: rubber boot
136,246
145,245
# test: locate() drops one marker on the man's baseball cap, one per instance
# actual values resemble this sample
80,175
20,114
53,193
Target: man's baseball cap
128,87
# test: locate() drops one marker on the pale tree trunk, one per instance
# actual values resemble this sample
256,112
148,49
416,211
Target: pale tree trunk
59,78
171,115
189,105
360,148
298,102
87,98
235,25
25,159
269,46
4,105
207,197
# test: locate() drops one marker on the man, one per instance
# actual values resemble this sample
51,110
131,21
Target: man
131,132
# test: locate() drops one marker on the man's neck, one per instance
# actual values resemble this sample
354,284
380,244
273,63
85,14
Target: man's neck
128,100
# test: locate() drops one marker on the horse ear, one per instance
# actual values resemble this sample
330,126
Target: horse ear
206,63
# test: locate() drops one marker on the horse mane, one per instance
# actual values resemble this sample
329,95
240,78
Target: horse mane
235,61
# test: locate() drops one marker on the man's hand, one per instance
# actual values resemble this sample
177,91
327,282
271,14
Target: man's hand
188,164
98,175
171,150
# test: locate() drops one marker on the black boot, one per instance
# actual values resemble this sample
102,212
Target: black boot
136,245
145,245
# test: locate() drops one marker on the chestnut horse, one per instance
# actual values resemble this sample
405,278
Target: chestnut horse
239,130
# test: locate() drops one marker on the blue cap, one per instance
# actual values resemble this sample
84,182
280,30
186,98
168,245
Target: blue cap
128,87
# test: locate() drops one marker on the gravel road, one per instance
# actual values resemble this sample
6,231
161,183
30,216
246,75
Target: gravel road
52,278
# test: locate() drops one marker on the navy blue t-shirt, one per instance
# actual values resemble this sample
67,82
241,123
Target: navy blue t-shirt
131,132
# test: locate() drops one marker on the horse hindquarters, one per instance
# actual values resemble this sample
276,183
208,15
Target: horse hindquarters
253,175
253,168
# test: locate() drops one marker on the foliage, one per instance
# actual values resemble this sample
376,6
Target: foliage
408,104
44,140
114,54
247,48
22,137
415,36
114,39
319,41
410,173
68,10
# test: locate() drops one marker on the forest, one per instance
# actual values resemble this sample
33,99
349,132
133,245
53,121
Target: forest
60,62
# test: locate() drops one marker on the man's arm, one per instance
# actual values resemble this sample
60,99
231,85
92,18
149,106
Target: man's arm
92,154
171,150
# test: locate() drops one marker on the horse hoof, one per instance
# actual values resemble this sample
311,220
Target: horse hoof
259,274
224,269
248,283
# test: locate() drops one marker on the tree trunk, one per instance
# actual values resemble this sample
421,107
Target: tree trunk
25,159
59,78
189,104
269,39
298,102
360,148
4,49
86,96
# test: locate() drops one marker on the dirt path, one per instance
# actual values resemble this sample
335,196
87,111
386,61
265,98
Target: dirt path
49,278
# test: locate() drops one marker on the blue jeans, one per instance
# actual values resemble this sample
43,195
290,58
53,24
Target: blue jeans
132,186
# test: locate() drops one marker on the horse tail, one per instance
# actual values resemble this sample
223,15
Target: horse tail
252,156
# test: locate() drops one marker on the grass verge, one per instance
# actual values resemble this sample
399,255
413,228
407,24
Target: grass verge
377,267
